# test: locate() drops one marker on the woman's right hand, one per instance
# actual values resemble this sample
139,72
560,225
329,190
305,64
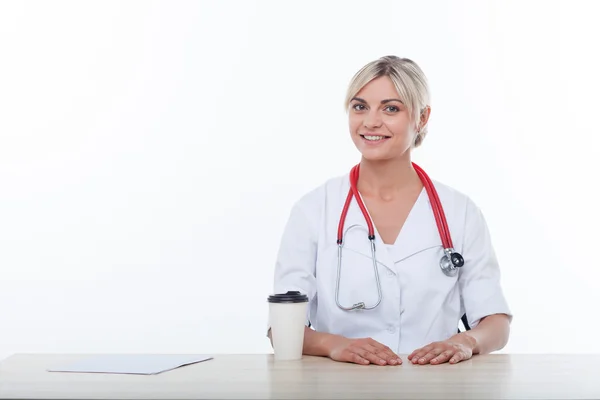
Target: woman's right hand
362,351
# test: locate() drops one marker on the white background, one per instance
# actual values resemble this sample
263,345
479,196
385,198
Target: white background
150,153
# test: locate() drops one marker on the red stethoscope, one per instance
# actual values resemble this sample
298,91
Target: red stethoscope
450,261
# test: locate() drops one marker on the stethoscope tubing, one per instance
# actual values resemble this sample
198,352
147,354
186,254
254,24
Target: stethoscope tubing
436,206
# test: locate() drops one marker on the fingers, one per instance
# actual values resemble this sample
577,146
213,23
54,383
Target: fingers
385,352
368,351
438,353
418,354
457,357
411,355
430,355
357,355
443,357
356,358
368,355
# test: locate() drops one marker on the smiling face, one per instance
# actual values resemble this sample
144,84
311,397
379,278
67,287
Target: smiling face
380,124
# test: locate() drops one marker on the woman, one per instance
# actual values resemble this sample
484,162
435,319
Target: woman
369,312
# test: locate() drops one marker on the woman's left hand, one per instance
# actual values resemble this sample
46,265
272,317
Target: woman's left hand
458,348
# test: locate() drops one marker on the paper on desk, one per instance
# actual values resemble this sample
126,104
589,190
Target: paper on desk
144,364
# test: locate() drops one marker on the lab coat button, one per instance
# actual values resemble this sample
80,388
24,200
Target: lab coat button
391,329
389,273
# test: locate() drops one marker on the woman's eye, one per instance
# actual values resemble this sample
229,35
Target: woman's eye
358,107
392,109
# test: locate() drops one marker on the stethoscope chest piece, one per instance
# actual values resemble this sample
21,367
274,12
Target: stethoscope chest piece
451,262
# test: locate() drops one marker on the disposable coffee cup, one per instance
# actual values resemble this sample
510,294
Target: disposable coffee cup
287,312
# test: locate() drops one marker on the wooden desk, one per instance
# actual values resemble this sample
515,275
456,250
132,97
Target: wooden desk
24,376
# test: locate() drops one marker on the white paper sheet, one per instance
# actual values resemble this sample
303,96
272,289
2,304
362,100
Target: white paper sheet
144,364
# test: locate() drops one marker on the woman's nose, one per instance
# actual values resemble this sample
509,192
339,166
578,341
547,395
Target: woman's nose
372,120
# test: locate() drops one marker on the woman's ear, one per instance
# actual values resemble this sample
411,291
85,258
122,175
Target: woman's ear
424,117
421,130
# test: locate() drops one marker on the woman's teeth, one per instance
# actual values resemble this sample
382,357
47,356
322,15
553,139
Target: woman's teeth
374,138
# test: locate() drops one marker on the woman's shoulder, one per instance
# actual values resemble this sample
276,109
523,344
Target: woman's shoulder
311,206
450,192
455,200
329,188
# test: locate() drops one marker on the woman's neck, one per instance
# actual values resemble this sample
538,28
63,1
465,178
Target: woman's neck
387,179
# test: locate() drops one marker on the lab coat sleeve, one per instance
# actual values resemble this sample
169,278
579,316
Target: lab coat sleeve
295,265
479,279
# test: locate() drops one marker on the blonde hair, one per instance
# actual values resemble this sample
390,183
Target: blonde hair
409,80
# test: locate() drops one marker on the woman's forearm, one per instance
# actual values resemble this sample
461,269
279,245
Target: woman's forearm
490,334
315,343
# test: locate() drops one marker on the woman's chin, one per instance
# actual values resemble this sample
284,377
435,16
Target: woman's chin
370,155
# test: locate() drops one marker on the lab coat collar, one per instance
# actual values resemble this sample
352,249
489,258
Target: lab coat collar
419,233
356,239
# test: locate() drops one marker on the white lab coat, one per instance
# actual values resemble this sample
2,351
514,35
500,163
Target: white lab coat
420,303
